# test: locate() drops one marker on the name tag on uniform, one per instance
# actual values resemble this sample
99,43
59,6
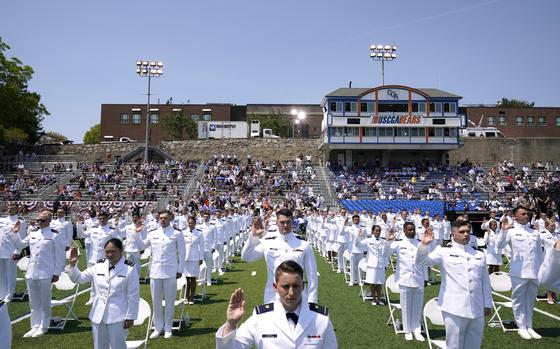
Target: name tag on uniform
274,249
121,276
478,258
273,335
297,250
454,255
100,274
518,234
317,336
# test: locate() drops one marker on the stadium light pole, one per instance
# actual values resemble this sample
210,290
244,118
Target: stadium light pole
298,117
148,69
383,53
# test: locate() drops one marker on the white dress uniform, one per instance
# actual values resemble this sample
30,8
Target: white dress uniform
378,249
194,247
220,239
47,259
8,268
342,241
269,328
278,249
88,224
356,251
168,259
527,257
209,236
64,228
5,327
131,245
410,278
464,293
493,252
549,272
116,299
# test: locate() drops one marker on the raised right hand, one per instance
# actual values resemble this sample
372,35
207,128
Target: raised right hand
74,256
257,229
236,307
428,237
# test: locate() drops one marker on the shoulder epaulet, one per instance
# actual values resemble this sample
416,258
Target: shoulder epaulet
448,245
264,308
270,238
478,248
127,262
318,309
382,238
101,260
149,231
54,231
300,237
398,239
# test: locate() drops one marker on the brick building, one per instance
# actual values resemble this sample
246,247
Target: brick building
517,122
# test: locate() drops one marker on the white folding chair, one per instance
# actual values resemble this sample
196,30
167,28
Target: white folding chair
432,312
391,287
201,283
22,265
362,270
64,284
500,282
146,255
144,312
346,262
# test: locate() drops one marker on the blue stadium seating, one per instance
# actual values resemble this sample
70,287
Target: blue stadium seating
377,206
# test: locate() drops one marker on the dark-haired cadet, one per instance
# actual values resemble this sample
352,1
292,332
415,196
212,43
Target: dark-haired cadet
278,248
289,322
115,304
527,257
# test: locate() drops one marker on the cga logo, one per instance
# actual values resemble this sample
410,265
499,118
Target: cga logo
392,94
212,127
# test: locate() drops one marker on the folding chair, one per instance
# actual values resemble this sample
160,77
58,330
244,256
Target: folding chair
346,261
432,312
392,287
64,284
362,270
146,255
500,282
201,283
22,265
144,312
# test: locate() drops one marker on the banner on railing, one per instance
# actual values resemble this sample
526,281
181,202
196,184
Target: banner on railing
77,206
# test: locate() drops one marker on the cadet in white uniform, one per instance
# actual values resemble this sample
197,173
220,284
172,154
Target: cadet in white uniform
342,238
168,263
289,322
209,235
549,238
131,245
63,226
45,265
117,295
527,257
493,253
220,241
9,254
194,247
465,295
549,273
410,278
277,249
377,249
356,250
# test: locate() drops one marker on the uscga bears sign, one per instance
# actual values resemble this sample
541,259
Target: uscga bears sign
396,119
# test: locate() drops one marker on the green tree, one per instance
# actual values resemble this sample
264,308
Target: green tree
93,135
278,123
515,103
53,137
177,127
22,110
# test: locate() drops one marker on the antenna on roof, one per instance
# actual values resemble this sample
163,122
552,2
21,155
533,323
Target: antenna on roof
350,84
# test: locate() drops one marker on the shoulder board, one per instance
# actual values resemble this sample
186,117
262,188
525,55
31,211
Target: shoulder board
419,240
383,238
270,238
101,260
127,262
479,249
54,231
149,231
447,246
111,228
264,308
318,309
300,237
398,239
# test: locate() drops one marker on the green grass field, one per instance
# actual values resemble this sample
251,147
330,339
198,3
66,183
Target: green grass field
357,324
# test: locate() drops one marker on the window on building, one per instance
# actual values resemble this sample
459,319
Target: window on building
385,132
419,107
431,132
369,132
491,121
449,107
450,132
337,131
352,132
350,107
542,120
439,132
195,117
531,121
558,121
124,119
417,132
393,107
363,107
371,107
333,107
402,131
136,118
154,118
501,120
519,121
435,107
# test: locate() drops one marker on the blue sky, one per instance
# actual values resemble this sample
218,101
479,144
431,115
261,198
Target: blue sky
249,51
